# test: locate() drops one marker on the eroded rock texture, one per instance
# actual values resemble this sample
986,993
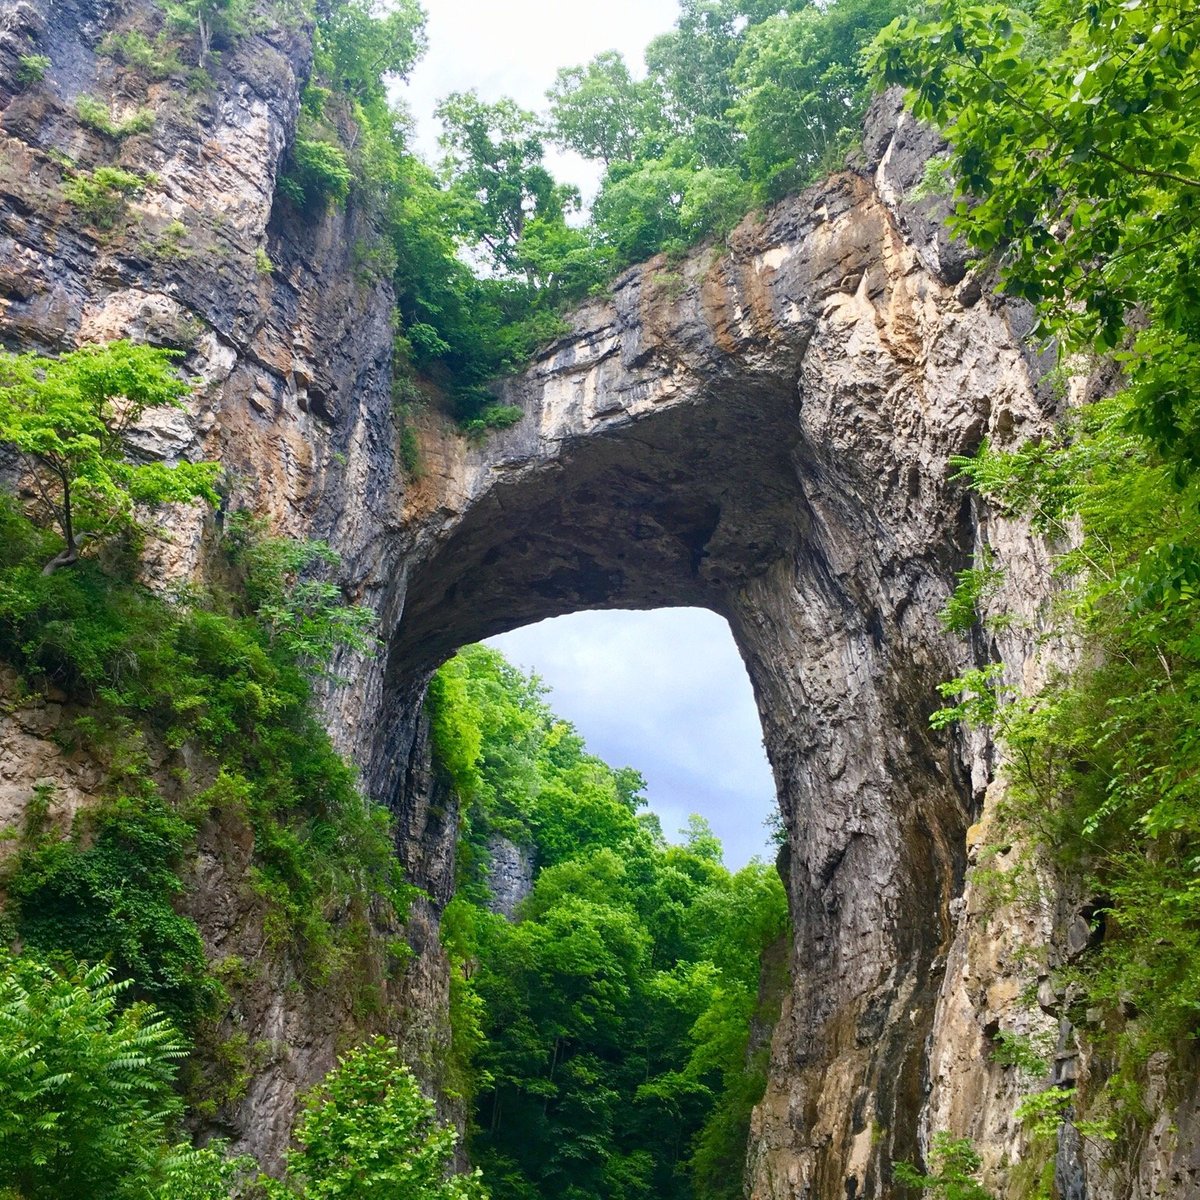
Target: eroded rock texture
764,429
766,432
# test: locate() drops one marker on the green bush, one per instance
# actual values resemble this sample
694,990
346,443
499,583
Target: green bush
159,60
32,68
229,685
954,1171
97,115
86,1099
105,895
101,194
367,1133
494,416
319,174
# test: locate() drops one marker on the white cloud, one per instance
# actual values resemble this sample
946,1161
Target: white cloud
665,692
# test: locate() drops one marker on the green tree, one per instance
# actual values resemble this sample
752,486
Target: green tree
955,1171
70,419
1076,155
600,111
494,162
367,1133
801,89
692,68
362,43
215,23
1077,159
609,1025
86,1101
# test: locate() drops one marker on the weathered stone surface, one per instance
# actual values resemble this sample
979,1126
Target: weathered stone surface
509,875
764,429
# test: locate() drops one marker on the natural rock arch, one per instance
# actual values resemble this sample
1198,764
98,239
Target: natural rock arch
765,430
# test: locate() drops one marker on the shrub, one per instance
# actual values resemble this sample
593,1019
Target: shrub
319,174
955,1171
101,194
228,686
494,416
96,115
367,1133
32,68
106,895
157,61
85,1085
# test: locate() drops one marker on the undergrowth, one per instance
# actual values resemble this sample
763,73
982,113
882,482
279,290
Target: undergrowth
222,679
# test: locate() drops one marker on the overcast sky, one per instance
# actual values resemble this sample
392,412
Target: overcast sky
516,47
664,692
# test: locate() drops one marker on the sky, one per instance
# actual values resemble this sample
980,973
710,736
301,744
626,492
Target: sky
515,48
664,692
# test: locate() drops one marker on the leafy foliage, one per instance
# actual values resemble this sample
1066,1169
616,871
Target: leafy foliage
101,194
604,1032
215,24
367,1133
96,114
955,1171
801,90
32,68
484,253
225,684
86,1104
157,60
70,418
307,617
106,896
1072,132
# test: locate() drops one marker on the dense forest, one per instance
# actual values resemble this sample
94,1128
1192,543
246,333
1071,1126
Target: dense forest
609,1036
605,1035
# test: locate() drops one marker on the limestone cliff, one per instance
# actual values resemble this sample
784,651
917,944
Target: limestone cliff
763,429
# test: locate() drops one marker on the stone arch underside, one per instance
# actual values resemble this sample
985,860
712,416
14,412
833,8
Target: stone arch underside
765,431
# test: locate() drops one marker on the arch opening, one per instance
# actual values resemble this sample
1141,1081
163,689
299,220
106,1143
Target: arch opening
664,691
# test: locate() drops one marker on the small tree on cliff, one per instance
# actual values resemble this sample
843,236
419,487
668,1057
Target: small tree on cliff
368,1133
69,418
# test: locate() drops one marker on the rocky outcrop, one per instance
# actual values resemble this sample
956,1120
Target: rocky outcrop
509,875
764,429
290,343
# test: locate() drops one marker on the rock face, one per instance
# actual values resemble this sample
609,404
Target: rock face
509,875
764,429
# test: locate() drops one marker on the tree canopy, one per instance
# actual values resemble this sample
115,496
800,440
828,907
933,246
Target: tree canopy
70,419
604,1031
